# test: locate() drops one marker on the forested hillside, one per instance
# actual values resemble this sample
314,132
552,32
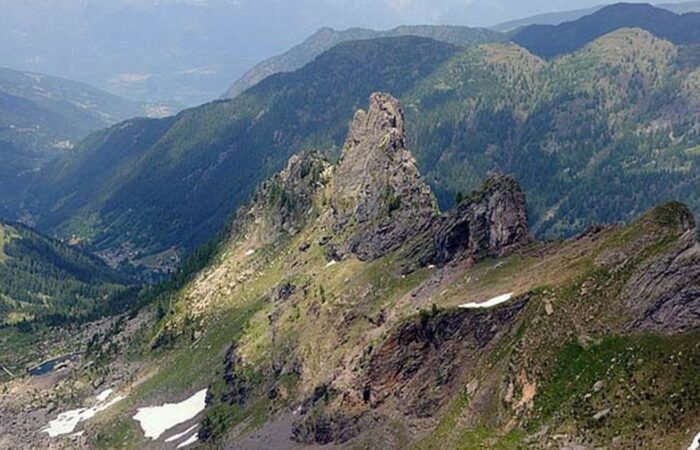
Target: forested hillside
549,41
326,38
41,278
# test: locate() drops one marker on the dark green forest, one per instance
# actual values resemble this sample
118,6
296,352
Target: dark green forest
43,279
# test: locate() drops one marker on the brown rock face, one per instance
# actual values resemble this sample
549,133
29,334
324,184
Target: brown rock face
424,361
491,222
378,194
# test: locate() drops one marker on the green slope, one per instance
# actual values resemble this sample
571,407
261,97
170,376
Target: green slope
44,279
326,38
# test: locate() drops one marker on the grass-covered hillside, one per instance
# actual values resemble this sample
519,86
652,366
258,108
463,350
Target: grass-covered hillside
44,280
298,343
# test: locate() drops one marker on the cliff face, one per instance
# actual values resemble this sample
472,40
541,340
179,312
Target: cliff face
664,295
491,222
380,200
378,193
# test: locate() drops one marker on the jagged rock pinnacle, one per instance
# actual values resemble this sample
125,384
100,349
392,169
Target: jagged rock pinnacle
379,196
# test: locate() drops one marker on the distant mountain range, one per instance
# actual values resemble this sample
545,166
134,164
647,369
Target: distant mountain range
326,38
43,116
557,18
549,41
44,112
149,191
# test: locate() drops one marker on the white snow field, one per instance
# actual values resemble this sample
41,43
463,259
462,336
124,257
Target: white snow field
190,440
66,422
178,436
104,395
156,420
696,443
489,303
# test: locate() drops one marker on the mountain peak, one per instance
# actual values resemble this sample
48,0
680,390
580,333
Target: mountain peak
383,119
377,186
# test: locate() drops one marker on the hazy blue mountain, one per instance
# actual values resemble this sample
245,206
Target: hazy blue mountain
43,116
187,52
43,112
552,40
555,18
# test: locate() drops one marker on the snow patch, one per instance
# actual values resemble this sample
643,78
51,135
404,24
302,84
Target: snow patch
156,420
696,443
490,303
104,395
67,422
190,440
176,437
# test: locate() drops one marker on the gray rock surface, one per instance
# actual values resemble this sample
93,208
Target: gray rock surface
281,205
491,222
665,296
379,199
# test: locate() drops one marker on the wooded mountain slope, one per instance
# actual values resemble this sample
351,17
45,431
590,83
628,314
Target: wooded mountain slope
41,278
326,38
598,135
549,41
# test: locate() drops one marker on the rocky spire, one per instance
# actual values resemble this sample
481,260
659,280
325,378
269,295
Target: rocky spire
378,195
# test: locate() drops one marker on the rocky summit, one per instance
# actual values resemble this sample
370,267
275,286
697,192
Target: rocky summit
379,198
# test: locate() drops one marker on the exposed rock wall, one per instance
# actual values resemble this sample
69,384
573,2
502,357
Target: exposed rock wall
427,358
489,223
665,296
378,194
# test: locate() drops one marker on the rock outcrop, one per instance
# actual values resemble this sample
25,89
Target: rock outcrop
665,296
281,205
427,359
491,222
379,199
